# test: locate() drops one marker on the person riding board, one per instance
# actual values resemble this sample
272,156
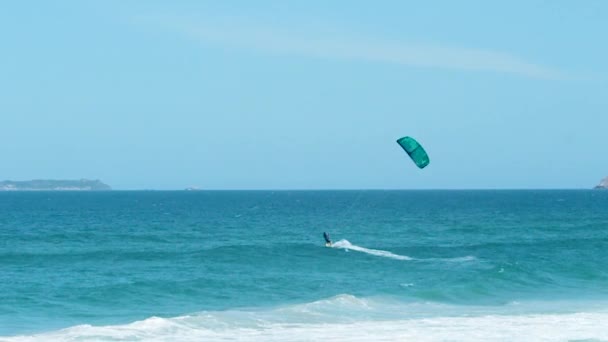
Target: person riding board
327,239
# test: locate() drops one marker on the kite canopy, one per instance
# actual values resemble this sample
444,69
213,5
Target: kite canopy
415,151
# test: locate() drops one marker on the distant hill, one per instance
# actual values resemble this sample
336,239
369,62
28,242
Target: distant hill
603,184
54,185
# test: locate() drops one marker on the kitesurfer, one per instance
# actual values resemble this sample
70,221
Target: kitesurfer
327,239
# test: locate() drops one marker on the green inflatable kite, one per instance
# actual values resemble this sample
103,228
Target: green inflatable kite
415,151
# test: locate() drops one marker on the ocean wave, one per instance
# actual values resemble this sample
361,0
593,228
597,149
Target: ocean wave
544,242
349,318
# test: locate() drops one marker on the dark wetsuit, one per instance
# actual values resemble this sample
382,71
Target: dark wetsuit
326,237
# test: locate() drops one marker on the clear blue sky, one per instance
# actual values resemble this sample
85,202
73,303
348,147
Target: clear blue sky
305,95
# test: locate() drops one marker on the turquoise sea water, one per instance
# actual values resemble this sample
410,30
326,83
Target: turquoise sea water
252,265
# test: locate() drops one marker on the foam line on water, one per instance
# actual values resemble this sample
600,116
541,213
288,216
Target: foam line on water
456,259
349,318
345,244
545,327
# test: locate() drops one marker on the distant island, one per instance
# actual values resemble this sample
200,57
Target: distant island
54,185
603,184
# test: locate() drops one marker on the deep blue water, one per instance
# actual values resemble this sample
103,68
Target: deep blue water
112,258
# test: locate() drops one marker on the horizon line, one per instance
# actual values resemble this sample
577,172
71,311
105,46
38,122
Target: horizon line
312,189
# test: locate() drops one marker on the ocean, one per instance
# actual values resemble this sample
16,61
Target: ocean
527,265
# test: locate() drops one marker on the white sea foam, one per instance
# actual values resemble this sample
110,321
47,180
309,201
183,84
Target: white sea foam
456,259
274,326
345,244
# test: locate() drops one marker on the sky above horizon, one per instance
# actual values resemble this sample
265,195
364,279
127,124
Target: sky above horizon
305,95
